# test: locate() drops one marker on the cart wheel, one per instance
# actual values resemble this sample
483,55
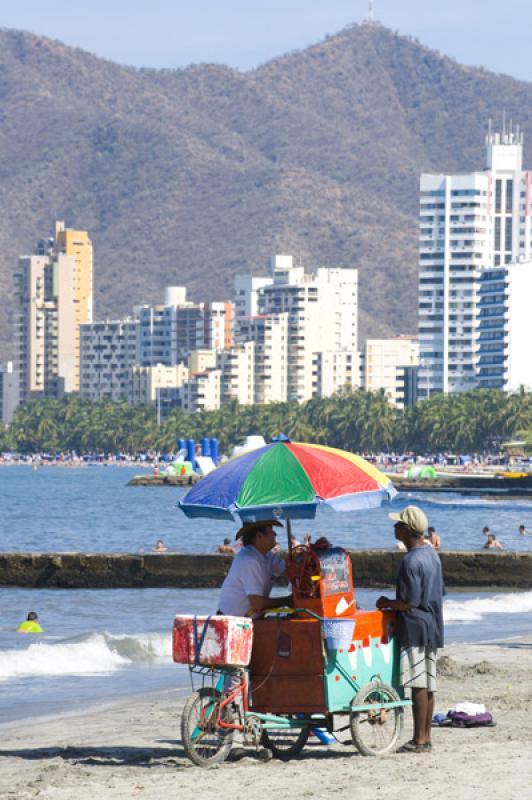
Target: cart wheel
204,742
285,743
376,732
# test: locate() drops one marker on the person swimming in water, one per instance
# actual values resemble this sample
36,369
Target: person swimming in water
30,625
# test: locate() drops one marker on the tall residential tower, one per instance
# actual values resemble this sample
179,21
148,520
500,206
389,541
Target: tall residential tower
53,297
468,222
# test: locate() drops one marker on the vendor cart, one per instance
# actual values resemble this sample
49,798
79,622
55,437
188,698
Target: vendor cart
322,666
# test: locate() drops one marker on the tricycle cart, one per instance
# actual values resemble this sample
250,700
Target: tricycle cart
322,666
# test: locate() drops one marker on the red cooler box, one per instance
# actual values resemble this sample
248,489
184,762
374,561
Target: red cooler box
212,641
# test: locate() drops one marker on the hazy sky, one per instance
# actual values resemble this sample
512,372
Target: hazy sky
245,33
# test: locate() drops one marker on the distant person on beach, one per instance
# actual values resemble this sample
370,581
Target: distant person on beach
160,547
486,530
431,537
492,543
30,625
419,606
522,530
226,547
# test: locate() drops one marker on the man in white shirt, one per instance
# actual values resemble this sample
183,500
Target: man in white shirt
246,589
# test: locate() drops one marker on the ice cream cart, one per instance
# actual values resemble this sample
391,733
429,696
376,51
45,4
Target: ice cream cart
323,665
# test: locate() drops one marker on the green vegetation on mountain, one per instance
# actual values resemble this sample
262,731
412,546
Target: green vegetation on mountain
359,421
180,175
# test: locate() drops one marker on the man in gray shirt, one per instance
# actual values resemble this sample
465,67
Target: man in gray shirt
419,603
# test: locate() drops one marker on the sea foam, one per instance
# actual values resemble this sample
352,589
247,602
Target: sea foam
97,653
477,608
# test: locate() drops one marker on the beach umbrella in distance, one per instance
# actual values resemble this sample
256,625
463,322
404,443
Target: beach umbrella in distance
287,480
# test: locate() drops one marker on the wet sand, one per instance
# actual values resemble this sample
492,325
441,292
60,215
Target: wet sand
132,749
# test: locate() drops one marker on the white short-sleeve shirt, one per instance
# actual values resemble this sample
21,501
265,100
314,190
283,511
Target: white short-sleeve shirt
250,573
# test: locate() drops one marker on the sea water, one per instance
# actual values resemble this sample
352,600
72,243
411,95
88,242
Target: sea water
99,645
91,509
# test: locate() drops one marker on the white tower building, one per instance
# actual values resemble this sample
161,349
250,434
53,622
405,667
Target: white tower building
467,222
269,334
321,311
385,361
503,327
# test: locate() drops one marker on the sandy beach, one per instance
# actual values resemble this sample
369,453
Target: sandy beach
132,749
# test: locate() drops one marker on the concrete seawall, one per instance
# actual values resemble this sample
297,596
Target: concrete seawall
113,571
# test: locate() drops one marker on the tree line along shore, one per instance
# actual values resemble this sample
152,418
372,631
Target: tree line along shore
472,422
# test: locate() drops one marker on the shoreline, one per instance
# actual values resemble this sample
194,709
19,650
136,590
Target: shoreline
103,707
183,689
133,748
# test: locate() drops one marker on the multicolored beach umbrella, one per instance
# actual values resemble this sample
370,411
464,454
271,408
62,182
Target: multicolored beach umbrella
287,480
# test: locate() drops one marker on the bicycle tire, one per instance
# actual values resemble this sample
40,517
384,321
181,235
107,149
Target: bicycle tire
281,743
203,742
384,730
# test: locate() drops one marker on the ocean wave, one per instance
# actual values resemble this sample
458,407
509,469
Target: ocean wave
477,608
90,654
463,501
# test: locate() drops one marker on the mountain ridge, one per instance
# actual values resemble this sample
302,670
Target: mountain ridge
193,175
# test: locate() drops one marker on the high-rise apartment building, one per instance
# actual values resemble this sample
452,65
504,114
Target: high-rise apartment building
237,367
8,392
467,222
269,334
201,392
503,327
53,297
385,361
332,370
148,385
170,331
107,351
321,311
246,296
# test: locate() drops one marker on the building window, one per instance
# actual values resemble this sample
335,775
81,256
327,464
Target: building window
498,196
508,234
509,196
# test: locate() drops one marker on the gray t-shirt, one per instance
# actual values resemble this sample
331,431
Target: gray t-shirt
420,583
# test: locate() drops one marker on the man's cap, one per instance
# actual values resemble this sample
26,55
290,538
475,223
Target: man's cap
249,527
414,519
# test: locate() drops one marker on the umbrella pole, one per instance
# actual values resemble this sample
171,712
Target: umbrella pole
289,534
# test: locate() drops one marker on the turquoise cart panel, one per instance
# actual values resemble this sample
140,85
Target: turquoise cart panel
348,670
